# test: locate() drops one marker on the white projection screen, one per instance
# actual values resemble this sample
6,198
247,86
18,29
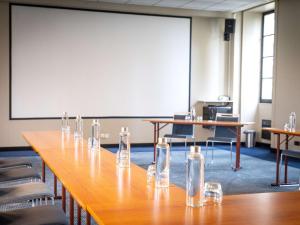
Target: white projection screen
97,64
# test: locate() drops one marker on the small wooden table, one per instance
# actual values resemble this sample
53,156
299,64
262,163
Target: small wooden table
238,125
288,136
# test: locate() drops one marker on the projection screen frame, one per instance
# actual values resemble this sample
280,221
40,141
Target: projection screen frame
91,10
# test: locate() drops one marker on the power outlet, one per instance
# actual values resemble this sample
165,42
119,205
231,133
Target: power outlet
297,143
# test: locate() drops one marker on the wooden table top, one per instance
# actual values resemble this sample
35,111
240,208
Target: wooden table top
169,208
83,172
203,122
281,131
42,140
116,196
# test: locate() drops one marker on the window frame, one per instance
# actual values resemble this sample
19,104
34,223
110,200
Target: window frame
262,100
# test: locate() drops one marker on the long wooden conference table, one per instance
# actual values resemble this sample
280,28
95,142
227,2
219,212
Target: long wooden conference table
158,124
288,136
116,196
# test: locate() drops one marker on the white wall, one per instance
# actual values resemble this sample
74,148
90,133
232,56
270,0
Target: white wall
287,70
208,52
246,69
250,71
208,72
235,71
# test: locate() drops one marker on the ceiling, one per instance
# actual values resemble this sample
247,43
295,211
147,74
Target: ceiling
205,5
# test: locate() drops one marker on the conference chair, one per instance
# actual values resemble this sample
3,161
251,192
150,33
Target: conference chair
10,163
12,191
33,192
181,131
223,134
18,174
287,154
49,214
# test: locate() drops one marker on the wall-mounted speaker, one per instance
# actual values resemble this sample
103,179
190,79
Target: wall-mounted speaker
229,26
226,36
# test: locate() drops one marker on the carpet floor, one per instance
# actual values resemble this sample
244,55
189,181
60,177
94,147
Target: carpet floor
257,173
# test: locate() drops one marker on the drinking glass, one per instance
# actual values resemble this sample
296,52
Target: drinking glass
78,131
151,174
286,127
199,118
65,127
213,193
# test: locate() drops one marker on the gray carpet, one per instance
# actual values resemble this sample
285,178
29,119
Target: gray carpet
255,176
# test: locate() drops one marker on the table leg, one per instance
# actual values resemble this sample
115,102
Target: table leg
88,218
238,148
63,198
55,186
286,159
277,160
78,214
157,134
71,210
155,139
43,171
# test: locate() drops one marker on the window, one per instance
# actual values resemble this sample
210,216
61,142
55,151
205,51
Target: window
267,57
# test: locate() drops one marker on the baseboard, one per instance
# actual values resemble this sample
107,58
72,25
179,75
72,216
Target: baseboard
263,145
202,143
132,145
29,148
17,148
151,144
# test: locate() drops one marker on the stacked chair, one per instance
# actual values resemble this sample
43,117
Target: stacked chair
21,184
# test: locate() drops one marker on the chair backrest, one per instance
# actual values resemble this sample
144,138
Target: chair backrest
182,129
223,131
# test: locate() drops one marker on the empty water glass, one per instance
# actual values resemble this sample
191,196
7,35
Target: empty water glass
286,127
213,193
151,174
78,131
188,117
65,126
193,113
199,118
